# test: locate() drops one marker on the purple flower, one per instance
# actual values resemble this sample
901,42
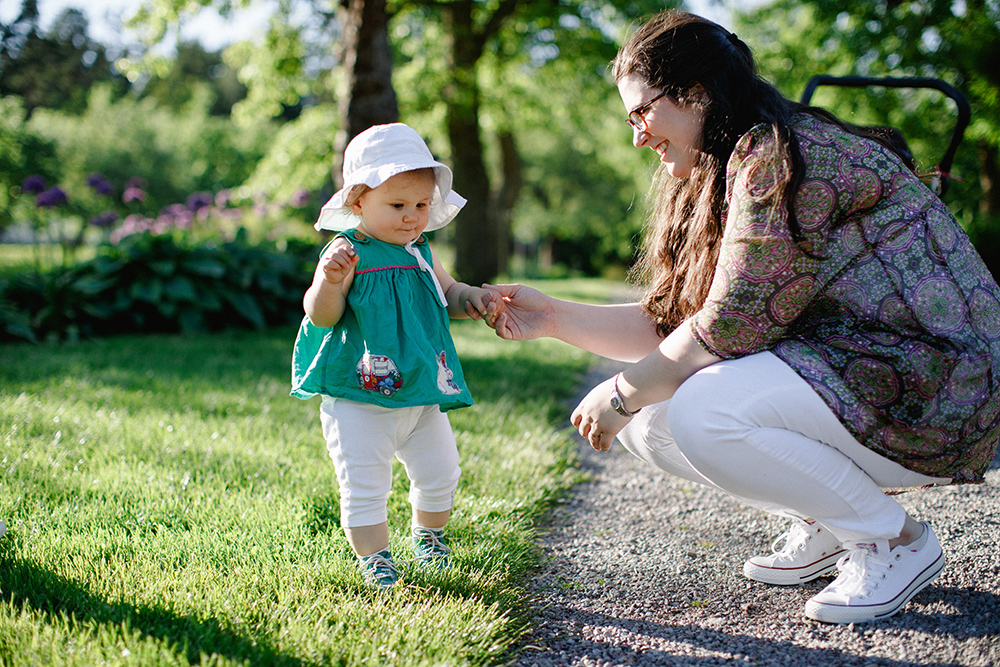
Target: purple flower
34,184
174,210
301,198
133,193
105,219
99,184
51,198
198,201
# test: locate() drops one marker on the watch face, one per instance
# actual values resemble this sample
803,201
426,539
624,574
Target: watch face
616,403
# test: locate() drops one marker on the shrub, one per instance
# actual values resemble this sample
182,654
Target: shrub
159,284
173,152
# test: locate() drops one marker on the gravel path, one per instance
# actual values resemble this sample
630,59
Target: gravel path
643,568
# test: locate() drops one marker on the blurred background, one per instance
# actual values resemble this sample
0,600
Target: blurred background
153,129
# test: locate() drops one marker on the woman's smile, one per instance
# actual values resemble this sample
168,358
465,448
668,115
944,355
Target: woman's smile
670,128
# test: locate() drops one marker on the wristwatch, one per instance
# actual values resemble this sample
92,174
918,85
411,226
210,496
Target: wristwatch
616,400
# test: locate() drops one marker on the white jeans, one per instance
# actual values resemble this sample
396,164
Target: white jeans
363,439
756,430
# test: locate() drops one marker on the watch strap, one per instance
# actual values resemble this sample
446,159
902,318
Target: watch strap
616,400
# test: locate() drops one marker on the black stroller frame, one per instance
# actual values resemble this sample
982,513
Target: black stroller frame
943,167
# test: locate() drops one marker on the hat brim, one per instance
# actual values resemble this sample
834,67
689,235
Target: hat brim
335,216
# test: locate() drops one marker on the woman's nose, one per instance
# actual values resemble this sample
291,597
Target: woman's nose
639,137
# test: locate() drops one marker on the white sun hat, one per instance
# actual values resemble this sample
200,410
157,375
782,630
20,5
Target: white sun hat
375,156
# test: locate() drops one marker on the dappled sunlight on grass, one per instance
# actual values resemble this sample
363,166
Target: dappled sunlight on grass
168,501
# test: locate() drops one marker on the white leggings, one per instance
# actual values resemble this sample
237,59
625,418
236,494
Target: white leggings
756,430
363,439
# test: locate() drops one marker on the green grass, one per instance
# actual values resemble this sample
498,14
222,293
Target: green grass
169,504
16,259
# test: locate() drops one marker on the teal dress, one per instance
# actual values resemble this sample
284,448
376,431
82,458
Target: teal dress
392,347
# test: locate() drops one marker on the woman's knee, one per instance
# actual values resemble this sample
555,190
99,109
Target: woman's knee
699,409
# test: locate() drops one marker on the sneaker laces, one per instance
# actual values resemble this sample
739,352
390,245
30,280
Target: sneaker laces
863,569
789,542
435,544
380,565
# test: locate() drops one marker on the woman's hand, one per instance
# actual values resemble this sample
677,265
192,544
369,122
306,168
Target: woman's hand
526,313
596,420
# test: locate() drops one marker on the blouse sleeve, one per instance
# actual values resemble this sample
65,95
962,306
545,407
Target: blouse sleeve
764,279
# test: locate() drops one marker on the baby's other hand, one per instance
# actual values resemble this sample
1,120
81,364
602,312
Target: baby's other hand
339,264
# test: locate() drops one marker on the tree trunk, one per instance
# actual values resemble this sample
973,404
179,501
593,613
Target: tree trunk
513,179
476,238
369,98
989,179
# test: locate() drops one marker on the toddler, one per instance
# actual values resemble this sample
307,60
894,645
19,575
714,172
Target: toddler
375,344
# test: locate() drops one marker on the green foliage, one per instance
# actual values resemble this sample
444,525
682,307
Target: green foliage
192,68
300,160
956,42
151,284
586,208
544,79
169,504
22,153
279,74
54,70
174,153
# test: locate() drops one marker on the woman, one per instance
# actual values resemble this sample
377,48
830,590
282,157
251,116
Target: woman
817,327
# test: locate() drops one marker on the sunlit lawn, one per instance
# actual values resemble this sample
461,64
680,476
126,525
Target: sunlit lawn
27,258
169,504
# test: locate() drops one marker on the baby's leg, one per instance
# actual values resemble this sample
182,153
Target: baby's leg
366,540
432,520
430,456
361,441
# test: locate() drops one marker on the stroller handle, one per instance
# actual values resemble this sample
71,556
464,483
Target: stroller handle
962,104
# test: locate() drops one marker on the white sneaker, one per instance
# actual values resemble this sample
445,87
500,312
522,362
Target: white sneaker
810,551
875,582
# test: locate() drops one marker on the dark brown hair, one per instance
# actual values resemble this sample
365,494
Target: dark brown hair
676,52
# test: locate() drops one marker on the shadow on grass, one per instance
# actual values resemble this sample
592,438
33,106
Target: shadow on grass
29,586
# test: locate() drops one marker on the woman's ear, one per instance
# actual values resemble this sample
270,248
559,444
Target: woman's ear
699,95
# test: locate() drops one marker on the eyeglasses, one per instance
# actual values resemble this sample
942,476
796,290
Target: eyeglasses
637,116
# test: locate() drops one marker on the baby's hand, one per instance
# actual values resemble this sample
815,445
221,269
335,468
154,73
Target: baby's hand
482,304
339,264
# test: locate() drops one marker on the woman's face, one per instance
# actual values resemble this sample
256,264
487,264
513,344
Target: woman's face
673,131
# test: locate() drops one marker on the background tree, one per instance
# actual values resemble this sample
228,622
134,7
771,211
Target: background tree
191,68
56,69
457,38
958,42
471,31
368,97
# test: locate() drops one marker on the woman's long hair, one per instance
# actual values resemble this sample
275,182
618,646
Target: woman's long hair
676,52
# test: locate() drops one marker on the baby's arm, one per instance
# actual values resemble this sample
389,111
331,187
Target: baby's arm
465,300
326,298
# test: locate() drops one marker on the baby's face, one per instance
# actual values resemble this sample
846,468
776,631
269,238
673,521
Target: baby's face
398,210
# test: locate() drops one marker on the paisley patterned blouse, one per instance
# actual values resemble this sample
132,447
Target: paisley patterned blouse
893,318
